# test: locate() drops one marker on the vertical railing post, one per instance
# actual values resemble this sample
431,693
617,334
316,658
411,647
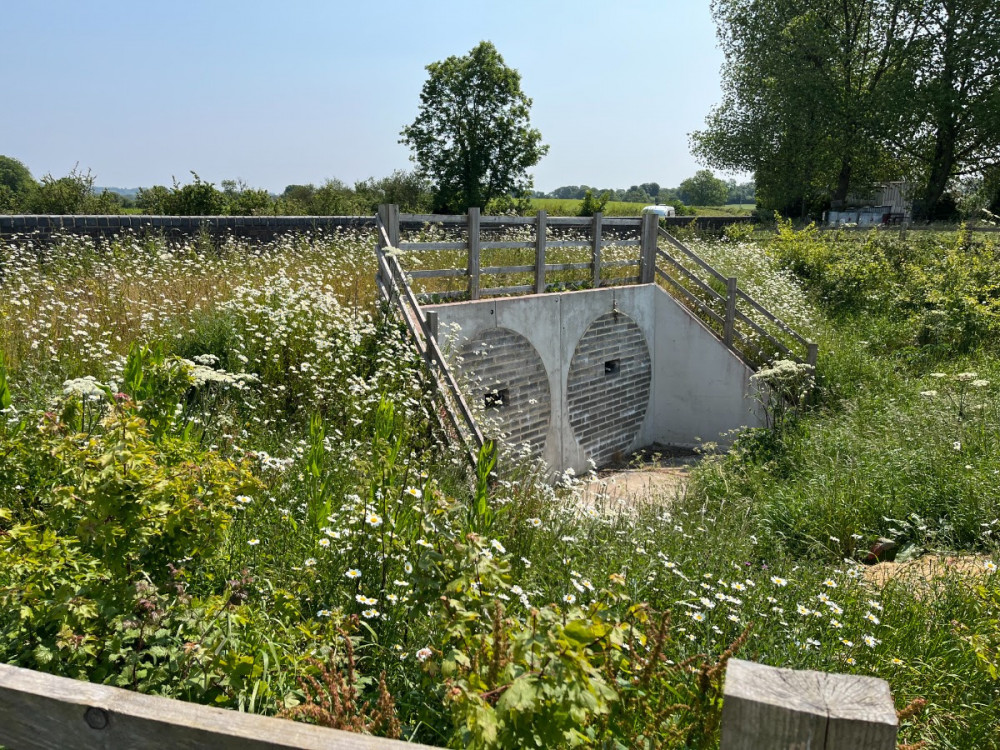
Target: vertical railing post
730,323
647,240
473,253
392,225
383,216
432,324
812,354
540,229
598,216
769,707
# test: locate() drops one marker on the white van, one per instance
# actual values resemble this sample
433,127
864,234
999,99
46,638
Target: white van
661,212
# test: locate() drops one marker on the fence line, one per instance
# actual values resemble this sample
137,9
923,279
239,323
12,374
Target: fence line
729,315
39,710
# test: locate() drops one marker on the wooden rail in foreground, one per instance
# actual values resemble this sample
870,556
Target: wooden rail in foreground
44,712
764,708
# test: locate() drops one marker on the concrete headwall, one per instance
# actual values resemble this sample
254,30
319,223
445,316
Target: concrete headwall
613,369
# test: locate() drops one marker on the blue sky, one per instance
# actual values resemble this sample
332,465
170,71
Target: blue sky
296,92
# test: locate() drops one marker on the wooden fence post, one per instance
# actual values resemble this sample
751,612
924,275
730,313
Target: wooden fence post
392,225
597,249
540,228
768,708
389,214
473,253
432,324
647,239
812,353
730,323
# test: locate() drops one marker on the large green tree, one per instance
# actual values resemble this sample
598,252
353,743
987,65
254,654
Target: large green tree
16,184
813,93
704,189
955,123
472,138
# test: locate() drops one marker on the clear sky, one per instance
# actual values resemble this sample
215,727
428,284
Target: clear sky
294,92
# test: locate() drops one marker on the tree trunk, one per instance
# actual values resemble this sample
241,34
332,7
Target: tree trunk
941,170
843,182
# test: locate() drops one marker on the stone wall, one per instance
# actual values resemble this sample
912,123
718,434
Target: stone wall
262,228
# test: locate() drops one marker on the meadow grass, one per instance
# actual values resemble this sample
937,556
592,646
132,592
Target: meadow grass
326,507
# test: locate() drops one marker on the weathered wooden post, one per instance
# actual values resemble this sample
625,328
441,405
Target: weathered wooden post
647,241
598,216
432,324
730,324
812,354
540,229
389,214
768,708
473,253
392,225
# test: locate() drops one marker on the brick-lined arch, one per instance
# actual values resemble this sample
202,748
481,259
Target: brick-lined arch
506,375
608,386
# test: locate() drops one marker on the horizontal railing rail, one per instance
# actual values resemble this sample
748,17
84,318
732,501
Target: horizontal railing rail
471,235
722,311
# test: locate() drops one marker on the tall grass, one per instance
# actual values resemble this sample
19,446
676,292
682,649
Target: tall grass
350,534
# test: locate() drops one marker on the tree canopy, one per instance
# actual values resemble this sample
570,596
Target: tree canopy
704,189
822,100
16,184
472,138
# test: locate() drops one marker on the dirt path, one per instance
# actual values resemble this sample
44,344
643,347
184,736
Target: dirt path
657,478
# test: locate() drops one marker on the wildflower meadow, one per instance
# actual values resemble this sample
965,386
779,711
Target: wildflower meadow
222,480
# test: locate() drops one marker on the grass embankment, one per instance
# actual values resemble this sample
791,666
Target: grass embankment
209,527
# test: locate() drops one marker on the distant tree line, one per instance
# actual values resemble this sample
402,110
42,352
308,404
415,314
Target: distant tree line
75,194
702,189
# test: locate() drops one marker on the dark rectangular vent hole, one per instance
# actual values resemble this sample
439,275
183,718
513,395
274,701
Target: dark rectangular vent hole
612,366
497,399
